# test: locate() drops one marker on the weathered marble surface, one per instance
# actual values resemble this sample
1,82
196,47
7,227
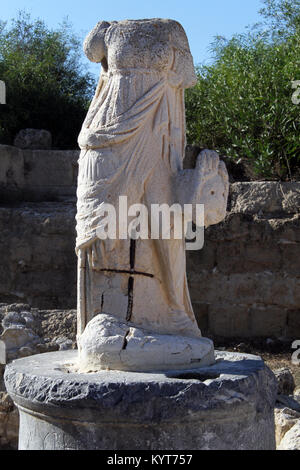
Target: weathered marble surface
109,343
132,144
226,406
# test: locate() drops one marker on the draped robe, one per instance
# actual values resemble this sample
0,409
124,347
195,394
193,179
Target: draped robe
132,144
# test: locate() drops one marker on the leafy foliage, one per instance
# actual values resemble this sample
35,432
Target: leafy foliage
242,104
46,85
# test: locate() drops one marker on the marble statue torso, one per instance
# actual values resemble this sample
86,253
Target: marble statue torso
132,144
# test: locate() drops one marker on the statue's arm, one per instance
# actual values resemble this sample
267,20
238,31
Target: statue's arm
95,48
94,44
182,73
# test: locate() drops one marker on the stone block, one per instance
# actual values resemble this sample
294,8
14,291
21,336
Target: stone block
11,173
226,406
291,440
285,419
293,323
267,321
60,177
227,319
265,197
33,139
285,380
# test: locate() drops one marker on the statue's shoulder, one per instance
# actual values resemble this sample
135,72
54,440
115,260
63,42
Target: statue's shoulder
150,26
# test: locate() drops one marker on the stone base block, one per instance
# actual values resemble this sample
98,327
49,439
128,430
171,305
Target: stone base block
229,405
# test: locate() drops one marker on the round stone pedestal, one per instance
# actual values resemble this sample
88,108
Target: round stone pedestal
225,406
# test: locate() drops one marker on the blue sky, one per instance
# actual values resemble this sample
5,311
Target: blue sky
201,19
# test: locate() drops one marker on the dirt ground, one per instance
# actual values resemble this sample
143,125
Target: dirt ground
283,360
276,353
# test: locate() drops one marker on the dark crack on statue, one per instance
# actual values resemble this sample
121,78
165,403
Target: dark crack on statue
125,341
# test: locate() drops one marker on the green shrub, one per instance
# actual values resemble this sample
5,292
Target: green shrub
242,104
46,85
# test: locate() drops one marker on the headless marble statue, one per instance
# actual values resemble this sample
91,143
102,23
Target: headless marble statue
134,308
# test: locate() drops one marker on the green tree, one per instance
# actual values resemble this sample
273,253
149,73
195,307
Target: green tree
47,86
242,104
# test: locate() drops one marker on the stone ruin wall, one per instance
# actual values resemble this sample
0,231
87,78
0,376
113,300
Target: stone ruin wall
244,283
